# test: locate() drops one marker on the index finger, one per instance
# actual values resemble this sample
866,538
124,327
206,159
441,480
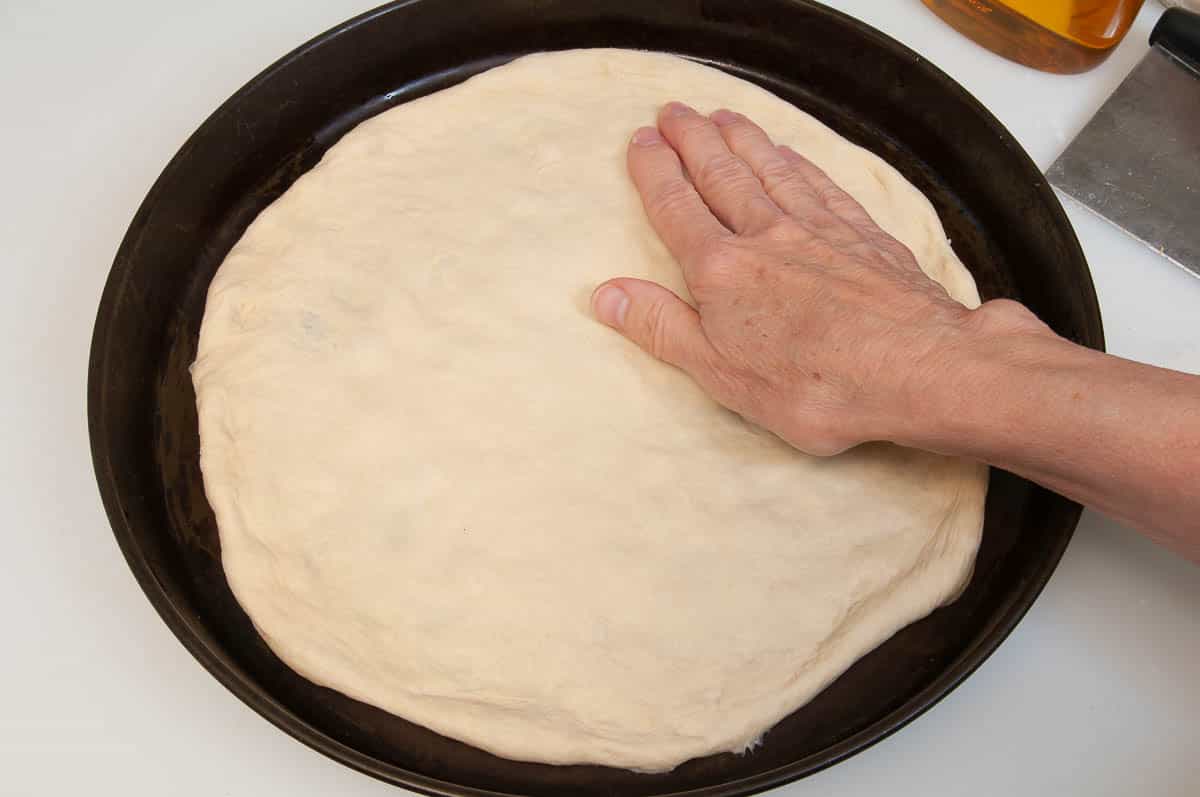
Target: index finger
675,209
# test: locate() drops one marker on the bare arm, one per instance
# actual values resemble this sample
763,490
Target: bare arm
1110,433
817,325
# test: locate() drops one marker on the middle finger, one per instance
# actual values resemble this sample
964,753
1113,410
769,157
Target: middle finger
726,183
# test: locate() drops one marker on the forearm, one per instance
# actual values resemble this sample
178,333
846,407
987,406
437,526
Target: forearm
811,321
1110,433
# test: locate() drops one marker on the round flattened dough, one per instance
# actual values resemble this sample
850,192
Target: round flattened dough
442,488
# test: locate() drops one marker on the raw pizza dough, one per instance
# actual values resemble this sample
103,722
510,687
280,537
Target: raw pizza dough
442,488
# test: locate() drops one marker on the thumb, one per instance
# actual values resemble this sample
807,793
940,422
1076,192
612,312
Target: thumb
654,318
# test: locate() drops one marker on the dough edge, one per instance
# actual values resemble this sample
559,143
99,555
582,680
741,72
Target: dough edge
930,584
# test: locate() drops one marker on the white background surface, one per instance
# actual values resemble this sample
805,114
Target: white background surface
1095,693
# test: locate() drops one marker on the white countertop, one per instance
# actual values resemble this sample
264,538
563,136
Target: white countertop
1095,693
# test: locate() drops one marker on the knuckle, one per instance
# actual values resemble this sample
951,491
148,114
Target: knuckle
670,200
656,329
845,205
778,174
835,198
718,169
824,445
862,249
785,230
818,433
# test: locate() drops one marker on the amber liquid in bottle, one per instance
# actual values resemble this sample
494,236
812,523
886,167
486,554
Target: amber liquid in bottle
1062,36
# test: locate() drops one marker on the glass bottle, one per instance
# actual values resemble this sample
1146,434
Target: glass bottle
1064,36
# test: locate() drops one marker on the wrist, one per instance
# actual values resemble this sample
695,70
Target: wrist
959,401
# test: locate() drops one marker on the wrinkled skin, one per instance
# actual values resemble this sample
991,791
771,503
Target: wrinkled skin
810,320
814,323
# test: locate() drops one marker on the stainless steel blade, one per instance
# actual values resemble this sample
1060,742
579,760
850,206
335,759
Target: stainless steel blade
1137,162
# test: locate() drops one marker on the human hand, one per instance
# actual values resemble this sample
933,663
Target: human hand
810,320
814,323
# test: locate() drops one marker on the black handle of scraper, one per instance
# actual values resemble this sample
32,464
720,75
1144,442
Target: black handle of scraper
1178,32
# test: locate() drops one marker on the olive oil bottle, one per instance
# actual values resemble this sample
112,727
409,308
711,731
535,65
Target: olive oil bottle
1062,36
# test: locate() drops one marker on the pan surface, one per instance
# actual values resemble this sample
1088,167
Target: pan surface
1003,220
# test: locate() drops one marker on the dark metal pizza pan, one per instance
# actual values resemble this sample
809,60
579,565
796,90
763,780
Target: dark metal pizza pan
1002,217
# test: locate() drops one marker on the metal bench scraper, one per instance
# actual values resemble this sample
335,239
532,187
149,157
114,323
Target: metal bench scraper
1137,162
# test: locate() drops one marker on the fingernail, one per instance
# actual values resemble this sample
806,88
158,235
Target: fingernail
610,304
646,136
723,117
677,109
